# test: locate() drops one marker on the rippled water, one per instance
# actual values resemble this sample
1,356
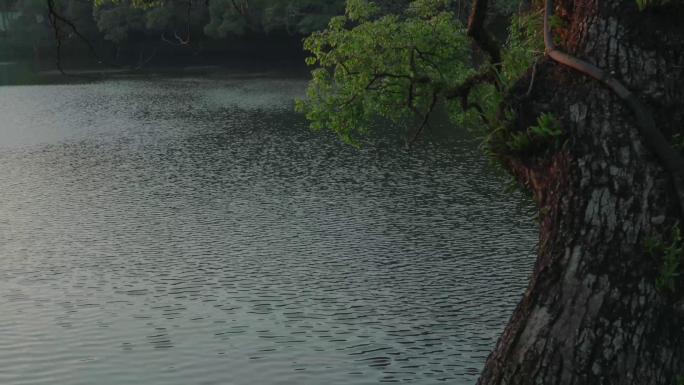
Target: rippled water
189,231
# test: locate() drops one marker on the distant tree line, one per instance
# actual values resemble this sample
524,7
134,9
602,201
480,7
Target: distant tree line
132,32
126,31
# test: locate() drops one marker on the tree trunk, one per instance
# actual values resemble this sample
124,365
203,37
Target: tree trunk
36,54
592,313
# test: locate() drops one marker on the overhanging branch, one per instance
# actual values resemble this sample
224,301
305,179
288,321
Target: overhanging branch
462,91
426,119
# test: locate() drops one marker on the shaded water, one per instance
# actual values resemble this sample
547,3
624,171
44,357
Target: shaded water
189,231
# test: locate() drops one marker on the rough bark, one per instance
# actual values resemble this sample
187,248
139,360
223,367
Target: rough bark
592,313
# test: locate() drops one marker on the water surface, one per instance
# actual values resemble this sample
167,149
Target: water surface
193,231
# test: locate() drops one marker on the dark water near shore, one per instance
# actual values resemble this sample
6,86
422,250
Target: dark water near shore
193,231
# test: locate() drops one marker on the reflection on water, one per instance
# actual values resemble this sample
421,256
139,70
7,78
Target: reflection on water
184,231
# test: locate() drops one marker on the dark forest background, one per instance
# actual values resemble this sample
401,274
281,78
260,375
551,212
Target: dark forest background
140,33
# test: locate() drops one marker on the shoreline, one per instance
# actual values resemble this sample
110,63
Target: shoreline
18,73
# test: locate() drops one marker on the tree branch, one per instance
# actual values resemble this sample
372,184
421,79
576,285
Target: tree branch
55,17
426,118
477,31
463,90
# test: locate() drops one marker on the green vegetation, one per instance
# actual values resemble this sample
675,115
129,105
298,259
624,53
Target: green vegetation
295,17
401,67
392,66
373,67
678,142
644,4
546,133
525,45
670,252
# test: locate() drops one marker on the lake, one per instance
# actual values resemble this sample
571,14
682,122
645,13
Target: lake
193,230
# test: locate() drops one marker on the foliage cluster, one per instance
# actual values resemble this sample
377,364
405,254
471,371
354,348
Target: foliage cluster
678,142
671,253
402,67
391,66
237,17
223,18
644,4
547,132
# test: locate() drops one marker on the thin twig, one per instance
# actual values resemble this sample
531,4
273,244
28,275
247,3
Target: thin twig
426,119
477,31
534,73
55,19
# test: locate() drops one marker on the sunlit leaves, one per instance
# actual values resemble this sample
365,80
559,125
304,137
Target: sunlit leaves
395,68
360,10
392,67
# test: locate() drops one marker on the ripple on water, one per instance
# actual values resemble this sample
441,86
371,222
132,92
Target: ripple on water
178,231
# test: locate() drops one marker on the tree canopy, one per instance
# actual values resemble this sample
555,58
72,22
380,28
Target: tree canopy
402,66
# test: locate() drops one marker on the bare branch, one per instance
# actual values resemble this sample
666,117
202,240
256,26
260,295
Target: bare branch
56,17
426,117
